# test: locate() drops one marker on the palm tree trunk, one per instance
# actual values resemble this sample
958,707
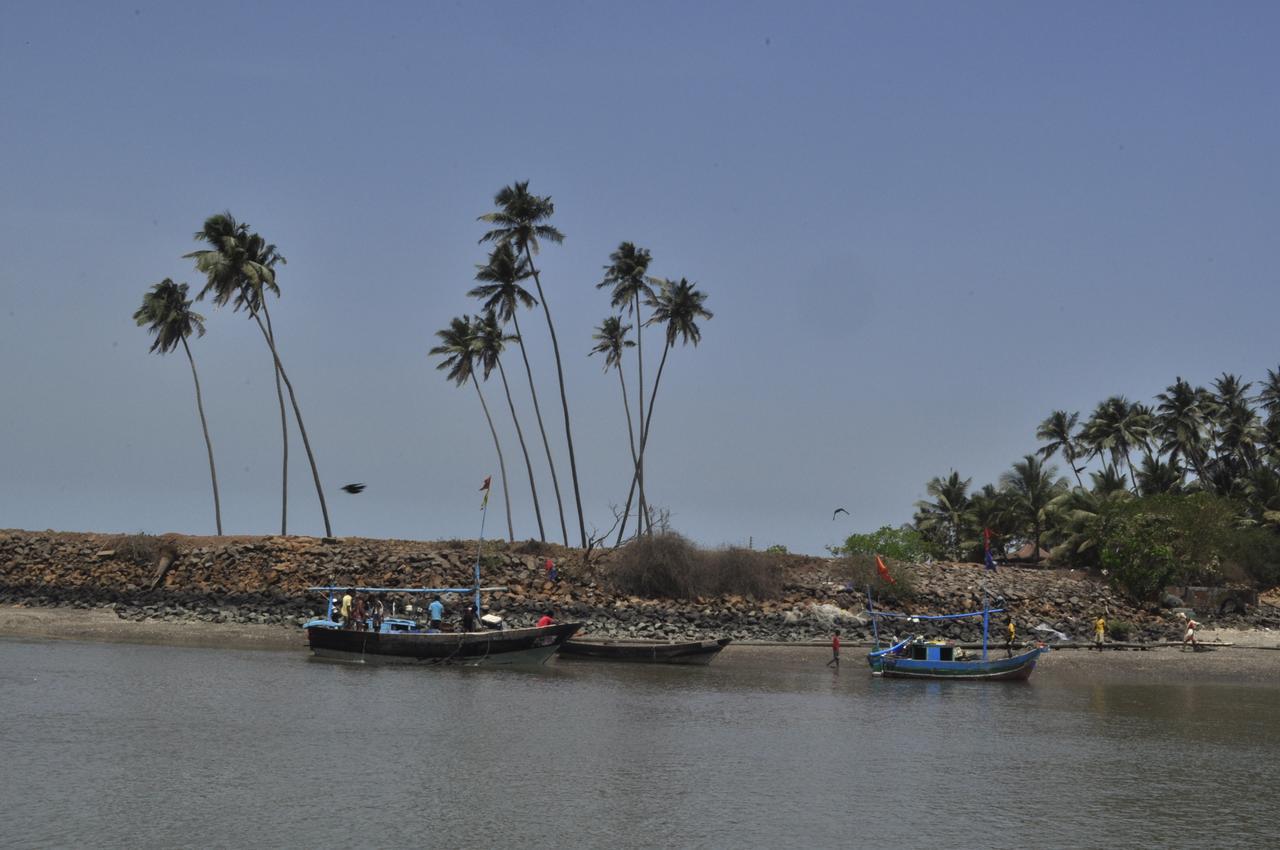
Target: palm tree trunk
297,414
533,488
284,432
640,395
502,466
1066,451
537,412
564,400
644,435
213,472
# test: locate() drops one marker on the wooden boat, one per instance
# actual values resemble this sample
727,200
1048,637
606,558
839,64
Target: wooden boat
402,641
643,651
915,657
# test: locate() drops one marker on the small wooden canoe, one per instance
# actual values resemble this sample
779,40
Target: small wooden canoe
643,651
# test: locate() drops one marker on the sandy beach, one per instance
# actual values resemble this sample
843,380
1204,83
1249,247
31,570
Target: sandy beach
1243,657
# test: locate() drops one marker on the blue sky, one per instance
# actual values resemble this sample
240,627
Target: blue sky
920,227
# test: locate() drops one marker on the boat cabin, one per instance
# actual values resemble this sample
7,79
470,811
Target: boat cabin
932,652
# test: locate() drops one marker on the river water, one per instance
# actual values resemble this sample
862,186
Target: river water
114,745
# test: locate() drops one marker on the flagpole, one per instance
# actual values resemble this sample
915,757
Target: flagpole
484,513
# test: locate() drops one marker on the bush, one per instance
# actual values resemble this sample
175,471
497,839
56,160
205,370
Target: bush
141,549
532,547
1120,630
669,566
900,544
860,571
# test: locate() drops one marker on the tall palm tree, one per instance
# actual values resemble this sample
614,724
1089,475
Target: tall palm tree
520,221
678,306
502,293
458,349
611,341
1180,424
1157,477
1032,488
166,311
1117,428
987,510
943,518
627,273
490,341
240,268
1059,430
1237,427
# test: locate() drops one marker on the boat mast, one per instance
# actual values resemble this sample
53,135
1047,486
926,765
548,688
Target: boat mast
484,512
986,618
875,624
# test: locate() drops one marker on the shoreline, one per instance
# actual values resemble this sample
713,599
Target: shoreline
1241,657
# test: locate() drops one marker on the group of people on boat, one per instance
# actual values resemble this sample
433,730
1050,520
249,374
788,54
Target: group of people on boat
359,611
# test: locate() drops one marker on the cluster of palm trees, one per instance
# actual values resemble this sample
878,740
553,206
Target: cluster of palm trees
471,348
1223,440
240,269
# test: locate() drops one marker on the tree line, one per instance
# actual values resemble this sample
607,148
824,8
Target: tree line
1207,469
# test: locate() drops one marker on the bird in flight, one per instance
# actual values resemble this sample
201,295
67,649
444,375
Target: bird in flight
838,511
353,488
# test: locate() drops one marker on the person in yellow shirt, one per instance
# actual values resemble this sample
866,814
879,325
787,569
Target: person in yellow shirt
346,608
1008,647
1099,632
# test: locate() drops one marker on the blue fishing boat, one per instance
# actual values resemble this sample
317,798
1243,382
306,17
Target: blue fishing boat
916,657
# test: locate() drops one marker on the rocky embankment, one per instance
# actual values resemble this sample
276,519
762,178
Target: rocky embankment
265,580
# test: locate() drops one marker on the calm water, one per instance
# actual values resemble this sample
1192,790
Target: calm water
119,745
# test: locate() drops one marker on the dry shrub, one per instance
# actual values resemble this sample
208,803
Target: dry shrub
859,571
669,566
532,547
140,549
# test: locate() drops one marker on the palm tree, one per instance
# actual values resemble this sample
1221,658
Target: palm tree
1156,477
1117,428
503,294
627,273
1032,489
987,509
611,341
1180,424
1059,430
943,519
489,343
459,349
678,305
166,311
521,222
240,268
1237,427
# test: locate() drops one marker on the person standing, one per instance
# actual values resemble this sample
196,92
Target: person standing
377,612
835,650
345,610
435,614
1012,632
1099,631
550,566
358,614
1189,637
469,619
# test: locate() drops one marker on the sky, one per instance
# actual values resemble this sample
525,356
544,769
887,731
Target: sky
920,227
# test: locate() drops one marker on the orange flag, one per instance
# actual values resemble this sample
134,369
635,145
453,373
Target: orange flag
883,571
485,488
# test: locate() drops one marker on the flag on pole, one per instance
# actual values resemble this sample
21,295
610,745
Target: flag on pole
485,487
986,549
883,571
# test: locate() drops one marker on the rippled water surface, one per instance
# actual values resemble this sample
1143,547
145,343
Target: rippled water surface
118,745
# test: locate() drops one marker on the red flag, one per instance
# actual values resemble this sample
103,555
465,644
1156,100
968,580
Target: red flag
884,571
485,488
485,485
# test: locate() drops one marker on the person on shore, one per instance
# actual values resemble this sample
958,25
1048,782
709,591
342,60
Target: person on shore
345,610
1012,633
547,620
835,650
552,574
1189,637
1099,631
469,619
435,614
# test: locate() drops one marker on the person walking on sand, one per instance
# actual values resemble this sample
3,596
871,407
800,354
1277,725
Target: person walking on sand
1099,631
1189,637
835,650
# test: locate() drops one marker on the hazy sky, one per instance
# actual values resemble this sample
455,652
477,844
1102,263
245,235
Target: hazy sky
921,227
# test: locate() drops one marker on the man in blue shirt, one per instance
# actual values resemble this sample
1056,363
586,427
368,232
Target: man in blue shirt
436,613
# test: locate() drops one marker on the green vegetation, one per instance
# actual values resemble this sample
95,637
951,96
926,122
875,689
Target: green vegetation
900,544
665,565
859,571
1185,491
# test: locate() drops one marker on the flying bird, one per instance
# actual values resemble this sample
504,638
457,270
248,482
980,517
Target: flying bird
838,511
353,488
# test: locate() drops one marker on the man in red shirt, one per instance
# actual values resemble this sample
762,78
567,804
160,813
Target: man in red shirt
546,620
835,650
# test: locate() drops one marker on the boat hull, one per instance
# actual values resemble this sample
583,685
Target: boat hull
698,652
529,646
1017,668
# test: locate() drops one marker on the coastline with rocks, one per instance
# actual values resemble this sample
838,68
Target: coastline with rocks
250,592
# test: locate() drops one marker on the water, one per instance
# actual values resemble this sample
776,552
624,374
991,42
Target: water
115,745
